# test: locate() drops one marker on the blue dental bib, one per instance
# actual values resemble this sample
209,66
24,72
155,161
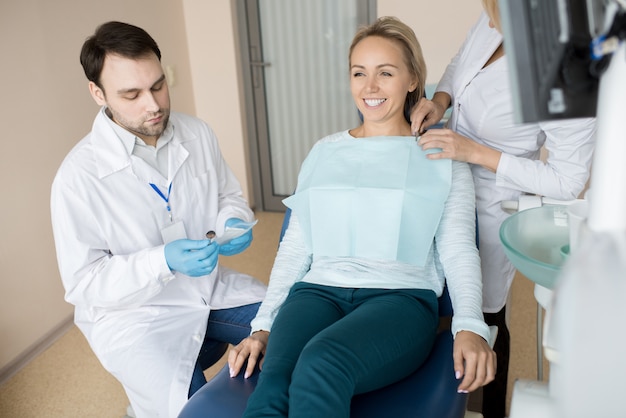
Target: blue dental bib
377,198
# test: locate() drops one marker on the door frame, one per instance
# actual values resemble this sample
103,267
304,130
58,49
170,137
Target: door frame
257,130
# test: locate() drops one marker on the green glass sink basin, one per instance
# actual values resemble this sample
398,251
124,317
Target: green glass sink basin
533,240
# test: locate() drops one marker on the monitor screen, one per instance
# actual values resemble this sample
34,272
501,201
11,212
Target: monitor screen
548,44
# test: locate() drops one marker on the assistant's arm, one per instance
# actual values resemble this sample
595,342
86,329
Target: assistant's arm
570,145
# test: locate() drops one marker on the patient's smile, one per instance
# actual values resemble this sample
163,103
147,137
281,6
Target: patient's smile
374,102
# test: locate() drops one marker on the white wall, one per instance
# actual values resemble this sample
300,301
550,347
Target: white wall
440,26
211,32
46,109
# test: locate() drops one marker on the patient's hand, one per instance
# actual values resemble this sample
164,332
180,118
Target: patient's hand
249,349
474,360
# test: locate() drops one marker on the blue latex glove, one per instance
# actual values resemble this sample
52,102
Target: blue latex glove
236,245
191,257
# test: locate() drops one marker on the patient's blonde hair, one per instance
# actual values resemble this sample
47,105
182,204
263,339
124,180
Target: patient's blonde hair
392,28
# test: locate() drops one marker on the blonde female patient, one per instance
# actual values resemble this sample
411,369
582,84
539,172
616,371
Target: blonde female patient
349,311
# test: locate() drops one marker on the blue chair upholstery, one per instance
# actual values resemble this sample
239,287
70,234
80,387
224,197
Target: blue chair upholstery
430,392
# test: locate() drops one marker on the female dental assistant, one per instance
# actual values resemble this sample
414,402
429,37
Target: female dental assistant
504,159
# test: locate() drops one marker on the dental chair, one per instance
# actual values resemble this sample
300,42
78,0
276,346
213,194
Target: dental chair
430,392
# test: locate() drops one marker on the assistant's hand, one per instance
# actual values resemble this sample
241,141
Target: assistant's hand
236,245
474,360
460,148
453,145
425,114
249,349
191,257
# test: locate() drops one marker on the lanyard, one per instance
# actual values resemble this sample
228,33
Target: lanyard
165,198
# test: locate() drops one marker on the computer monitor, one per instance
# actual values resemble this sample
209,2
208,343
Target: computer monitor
548,44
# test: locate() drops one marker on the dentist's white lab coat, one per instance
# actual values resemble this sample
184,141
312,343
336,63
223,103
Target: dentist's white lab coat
482,109
145,324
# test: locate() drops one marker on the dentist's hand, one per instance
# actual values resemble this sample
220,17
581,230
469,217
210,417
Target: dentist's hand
191,257
236,245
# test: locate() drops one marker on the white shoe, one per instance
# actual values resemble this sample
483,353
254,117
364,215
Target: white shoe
130,413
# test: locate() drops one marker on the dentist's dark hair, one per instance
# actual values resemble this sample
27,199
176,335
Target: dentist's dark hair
117,38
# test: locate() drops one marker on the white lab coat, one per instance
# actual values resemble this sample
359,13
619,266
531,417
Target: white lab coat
145,324
482,109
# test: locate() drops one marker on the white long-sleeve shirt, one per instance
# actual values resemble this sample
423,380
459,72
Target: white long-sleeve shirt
452,258
482,109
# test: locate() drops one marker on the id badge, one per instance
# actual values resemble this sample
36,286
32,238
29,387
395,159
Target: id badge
173,231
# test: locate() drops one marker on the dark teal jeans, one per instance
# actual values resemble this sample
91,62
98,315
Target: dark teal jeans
328,344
